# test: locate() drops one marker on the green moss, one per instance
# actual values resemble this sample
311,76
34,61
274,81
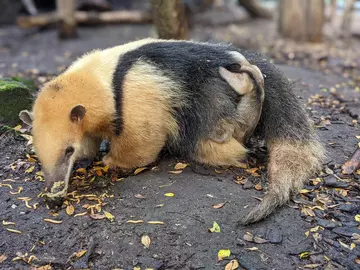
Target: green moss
14,97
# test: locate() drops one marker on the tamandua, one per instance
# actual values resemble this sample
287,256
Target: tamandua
153,94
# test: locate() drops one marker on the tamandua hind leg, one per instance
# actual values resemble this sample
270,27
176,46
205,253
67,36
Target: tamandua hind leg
212,153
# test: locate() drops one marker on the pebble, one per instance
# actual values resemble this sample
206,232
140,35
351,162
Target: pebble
331,181
327,224
274,236
346,231
349,207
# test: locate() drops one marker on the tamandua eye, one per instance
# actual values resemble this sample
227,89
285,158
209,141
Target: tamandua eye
69,151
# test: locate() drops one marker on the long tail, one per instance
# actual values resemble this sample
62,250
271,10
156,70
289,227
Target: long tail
295,152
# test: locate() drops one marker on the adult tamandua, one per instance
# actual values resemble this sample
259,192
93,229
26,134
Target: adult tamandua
150,94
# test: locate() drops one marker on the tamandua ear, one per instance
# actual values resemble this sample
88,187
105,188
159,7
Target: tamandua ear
77,113
27,117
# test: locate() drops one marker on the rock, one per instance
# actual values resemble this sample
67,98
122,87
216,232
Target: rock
346,231
14,97
349,207
327,224
274,236
331,181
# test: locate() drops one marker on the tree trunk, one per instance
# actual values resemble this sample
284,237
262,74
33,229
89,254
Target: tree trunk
254,9
347,19
302,20
67,23
169,19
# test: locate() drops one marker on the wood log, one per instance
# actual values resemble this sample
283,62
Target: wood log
254,9
302,20
83,17
169,19
67,21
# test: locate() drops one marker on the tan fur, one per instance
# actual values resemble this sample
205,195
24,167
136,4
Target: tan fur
291,164
225,154
148,99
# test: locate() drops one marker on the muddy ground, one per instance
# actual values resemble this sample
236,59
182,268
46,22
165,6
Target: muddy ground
317,230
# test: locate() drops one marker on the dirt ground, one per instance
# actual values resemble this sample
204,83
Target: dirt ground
317,230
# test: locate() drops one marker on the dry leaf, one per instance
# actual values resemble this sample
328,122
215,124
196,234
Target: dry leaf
175,172
44,267
97,216
215,227
80,214
135,221
253,171
248,237
139,170
219,205
3,257
156,222
259,240
232,265
258,187
13,231
169,194
312,266
80,253
357,217
145,240
70,210
139,196
223,253
27,137
109,216
6,223
53,221
81,170
180,166
253,249
30,170
16,192
307,211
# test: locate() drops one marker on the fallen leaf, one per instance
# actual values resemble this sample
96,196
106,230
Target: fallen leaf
44,267
81,170
232,265
219,205
253,249
16,192
253,171
357,260
145,240
80,214
258,187
80,253
176,172
135,221
3,257
30,170
70,210
139,170
169,194
215,227
27,137
97,216
248,237
156,222
139,196
351,247
109,216
6,223
307,211
31,258
312,266
304,255
13,231
53,221
259,240
180,166
357,217
223,253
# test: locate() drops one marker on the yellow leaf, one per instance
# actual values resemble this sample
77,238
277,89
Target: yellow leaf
17,128
223,253
145,240
304,255
6,185
169,194
175,172
307,211
219,205
304,191
258,187
81,170
232,265
215,227
6,223
347,246
156,222
70,210
80,253
315,229
253,171
139,170
135,221
253,249
180,166
13,231
357,217
31,258
109,216
53,221
80,214
307,234
16,192
30,170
